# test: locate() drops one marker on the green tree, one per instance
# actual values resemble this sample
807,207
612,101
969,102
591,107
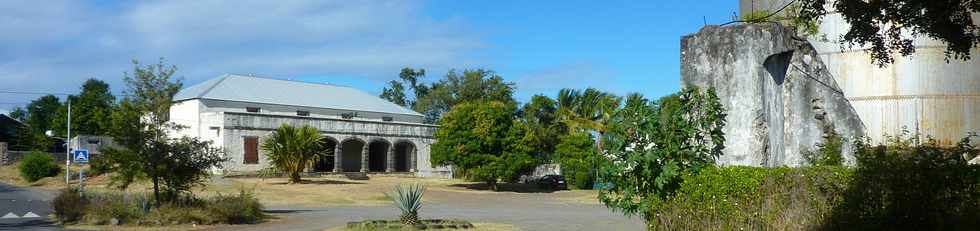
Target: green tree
395,91
590,110
481,141
18,114
37,117
90,110
291,149
540,115
40,112
457,88
576,154
140,126
889,26
654,144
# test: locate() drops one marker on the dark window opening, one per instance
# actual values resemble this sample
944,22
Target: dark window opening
93,141
302,113
387,118
349,115
252,109
251,150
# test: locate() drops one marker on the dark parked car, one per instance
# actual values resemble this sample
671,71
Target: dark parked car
553,182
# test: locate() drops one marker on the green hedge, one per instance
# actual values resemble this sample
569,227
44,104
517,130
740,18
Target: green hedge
895,187
752,198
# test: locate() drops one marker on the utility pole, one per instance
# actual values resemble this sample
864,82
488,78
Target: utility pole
68,148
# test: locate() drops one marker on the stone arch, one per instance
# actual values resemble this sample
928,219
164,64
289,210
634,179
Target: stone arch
351,149
378,149
325,162
404,155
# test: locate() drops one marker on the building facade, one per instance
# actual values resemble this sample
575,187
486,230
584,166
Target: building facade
361,132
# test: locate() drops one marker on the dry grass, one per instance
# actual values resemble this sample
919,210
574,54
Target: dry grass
10,174
314,192
477,227
338,191
319,191
590,197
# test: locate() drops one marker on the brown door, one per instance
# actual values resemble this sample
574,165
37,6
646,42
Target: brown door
251,150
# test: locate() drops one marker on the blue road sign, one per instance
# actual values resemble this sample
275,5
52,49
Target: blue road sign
81,156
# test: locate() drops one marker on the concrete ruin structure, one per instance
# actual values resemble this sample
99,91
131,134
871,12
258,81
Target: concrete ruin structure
361,132
779,96
922,94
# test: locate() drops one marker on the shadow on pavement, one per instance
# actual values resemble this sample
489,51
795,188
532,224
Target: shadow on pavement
288,211
29,225
506,187
320,181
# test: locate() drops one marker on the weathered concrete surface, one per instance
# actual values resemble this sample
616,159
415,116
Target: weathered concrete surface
778,94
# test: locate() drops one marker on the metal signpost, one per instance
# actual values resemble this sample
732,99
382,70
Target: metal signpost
81,158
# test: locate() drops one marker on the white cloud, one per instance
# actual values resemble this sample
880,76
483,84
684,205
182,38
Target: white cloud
56,45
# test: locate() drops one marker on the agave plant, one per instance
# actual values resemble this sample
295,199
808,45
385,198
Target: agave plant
408,199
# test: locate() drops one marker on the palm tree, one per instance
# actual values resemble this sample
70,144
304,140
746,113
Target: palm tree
291,149
589,110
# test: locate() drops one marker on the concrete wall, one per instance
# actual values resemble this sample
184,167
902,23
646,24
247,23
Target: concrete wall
779,98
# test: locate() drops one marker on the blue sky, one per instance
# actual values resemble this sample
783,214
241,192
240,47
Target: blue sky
543,46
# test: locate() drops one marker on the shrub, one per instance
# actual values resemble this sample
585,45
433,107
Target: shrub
751,198
583,180
408,199
124,207
37,165
69,205
828,153
904,185
98,208
243,208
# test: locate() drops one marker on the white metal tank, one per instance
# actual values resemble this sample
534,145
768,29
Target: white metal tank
921,93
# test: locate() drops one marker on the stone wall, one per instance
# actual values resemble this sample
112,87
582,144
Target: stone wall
778,94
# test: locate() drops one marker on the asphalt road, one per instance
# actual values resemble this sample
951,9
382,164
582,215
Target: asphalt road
25,209
533,211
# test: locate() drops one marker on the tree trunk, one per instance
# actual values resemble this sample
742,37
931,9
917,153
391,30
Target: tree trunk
156,189
294,177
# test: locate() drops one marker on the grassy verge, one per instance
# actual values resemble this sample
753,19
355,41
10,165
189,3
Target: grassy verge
10,174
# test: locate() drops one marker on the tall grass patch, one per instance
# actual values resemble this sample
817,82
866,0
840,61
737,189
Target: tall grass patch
112,208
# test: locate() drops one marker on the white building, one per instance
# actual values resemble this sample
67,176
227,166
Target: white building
369,134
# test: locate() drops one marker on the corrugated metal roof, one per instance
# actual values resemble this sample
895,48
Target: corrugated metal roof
284,92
